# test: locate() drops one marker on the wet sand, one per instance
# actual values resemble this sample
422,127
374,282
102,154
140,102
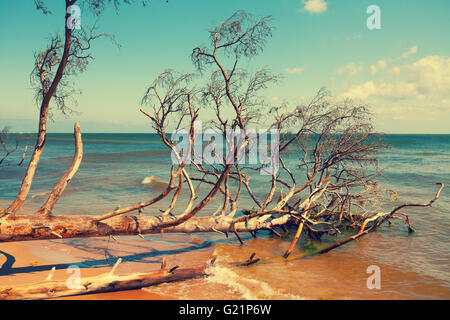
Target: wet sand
28,262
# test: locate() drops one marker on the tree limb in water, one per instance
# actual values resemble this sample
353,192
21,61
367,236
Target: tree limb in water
380,219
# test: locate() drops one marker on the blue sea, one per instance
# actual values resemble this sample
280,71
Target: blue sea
114,166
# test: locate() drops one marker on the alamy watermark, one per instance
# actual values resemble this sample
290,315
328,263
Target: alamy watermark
374,20
374,280
73,282
240,146
74,19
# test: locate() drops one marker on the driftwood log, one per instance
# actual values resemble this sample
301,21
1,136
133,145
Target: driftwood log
107,282
35,227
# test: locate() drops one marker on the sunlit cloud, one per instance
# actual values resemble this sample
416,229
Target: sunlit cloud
297,70
426,78
411,51
315,6
380,65
358,36
351,68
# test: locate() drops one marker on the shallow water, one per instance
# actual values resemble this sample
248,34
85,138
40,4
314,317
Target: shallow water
413,266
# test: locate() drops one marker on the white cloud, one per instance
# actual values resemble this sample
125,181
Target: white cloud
350,68
395,70
353,37
412,96
446,102
411,51
430,75
392,90
315,6
412,111
427,78
381,64
362,91
297,70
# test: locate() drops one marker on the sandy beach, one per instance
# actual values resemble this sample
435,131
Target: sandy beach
24,263
339,275
27,262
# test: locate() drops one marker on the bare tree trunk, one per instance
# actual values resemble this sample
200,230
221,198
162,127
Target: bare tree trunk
42,130
41,227
65,179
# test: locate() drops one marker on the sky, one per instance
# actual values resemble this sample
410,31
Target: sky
401,69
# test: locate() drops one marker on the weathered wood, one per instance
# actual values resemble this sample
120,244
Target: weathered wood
106,282
65,179
39,227
380,219
251,260
49,92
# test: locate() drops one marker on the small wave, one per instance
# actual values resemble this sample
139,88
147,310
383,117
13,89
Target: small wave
249,289
120,156
150,179
42,194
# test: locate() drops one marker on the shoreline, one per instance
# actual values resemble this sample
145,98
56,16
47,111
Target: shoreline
27,262
340,274
24,263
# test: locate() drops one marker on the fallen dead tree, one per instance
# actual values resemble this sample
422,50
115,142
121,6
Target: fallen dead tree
334,141
330,186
